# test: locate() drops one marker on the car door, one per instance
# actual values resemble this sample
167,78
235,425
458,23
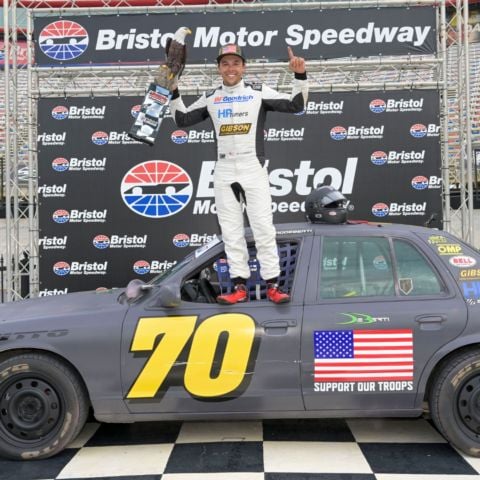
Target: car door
206,357
378,311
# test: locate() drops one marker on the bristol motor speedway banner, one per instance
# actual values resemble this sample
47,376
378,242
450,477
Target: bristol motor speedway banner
313,34
112,209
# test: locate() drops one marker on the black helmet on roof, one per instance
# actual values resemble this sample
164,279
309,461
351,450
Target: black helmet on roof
326,205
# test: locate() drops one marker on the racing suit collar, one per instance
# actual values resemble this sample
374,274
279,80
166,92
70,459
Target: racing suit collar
231,89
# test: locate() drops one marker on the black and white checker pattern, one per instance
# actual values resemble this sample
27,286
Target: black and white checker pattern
355,449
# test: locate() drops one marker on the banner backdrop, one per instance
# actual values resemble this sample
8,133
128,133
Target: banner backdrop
112,209
313,34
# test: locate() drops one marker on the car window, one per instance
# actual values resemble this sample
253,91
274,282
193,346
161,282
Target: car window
356,267
213,278
415,275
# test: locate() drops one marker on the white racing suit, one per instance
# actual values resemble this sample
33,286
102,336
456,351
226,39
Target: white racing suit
238,115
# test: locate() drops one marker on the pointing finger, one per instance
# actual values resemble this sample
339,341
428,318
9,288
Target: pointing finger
290,53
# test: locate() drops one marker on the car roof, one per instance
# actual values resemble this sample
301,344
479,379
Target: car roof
349,228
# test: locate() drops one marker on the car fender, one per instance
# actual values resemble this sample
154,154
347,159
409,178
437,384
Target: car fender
103,397
458,343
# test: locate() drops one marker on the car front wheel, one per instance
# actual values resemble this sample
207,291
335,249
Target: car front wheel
455,401
43,406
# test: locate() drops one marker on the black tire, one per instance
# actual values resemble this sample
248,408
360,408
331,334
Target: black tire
43,406
455,402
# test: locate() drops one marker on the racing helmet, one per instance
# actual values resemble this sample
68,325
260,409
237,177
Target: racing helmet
326,205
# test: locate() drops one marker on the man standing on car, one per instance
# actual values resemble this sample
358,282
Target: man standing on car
238,110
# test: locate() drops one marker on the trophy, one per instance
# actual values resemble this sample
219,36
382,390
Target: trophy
157,99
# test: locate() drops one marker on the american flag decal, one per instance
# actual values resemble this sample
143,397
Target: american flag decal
363,355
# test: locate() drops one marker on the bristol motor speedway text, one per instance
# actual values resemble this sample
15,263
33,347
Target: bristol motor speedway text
295,36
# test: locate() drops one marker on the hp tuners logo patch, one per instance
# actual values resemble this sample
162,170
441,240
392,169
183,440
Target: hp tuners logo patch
61,269
380,209
141,267
377,106
181,240
63,40
338,133
100,138
60,112
156,189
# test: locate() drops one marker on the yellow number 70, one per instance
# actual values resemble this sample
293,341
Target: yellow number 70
240,329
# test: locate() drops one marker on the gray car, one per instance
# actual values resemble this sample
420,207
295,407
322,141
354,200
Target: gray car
384,320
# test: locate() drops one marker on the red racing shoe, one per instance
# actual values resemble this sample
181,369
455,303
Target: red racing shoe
275,295
238,295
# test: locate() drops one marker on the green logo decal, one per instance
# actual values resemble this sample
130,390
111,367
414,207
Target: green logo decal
357,318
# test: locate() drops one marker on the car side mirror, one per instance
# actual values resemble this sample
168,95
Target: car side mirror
169,295
135,287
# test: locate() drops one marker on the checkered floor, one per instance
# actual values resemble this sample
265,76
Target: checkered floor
383,449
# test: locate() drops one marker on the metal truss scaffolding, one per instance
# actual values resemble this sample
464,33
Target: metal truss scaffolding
457,127
346,74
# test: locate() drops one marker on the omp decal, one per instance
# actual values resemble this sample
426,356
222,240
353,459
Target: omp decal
449,249
206,376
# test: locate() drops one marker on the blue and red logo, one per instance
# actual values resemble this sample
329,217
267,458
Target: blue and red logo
221,265
63,40
156,189
380,209
378,158
61,269
419,130
181,240
101,242
100,138
60,164
420,182
61,216
338,133
378,106
141,267
179,137
134,110
60,112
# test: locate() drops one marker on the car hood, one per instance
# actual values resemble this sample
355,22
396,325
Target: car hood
72,304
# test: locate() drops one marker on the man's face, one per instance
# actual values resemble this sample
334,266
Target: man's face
231,68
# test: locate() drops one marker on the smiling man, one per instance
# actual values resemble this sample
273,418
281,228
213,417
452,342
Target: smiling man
238,110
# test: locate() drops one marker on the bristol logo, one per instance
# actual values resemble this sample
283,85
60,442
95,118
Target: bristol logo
141,267
156,189
61,269
380,209
60,112
63,40
377,106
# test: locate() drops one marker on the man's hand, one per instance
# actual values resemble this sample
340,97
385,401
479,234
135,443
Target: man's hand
296,64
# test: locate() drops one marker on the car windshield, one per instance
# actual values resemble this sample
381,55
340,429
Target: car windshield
185,261
175,268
